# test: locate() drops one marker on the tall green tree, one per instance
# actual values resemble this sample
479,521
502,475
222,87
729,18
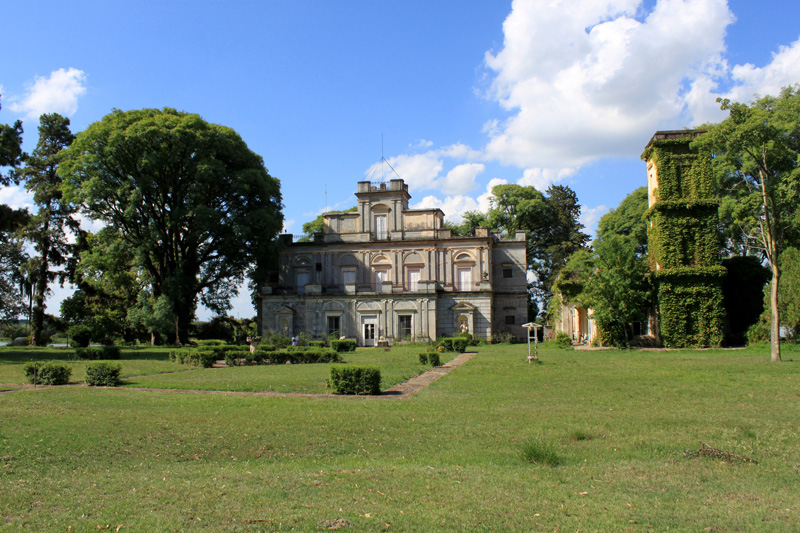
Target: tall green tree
108,284
194,203
628,219
12,258
11,154
47,230
551,225
758,146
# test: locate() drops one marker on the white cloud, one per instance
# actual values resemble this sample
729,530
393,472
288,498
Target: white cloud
57,93
542,178
453,207
418,170
782,71
591,216
460,179
17,197
594,81
287,225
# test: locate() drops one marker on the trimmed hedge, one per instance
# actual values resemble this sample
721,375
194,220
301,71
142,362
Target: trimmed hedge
316,344
423,358
346,345
49,373
97,353
103,375
433,359
204,358
454,344
355,380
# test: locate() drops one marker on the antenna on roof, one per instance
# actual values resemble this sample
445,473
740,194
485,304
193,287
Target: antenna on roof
383,164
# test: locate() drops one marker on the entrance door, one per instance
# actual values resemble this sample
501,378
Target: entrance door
368,329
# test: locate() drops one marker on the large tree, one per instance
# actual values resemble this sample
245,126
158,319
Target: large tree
759,146
48,229
11,154
12,258
196,205
550,222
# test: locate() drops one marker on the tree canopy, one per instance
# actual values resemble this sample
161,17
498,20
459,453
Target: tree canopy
47,230
758,148
550,221
192,201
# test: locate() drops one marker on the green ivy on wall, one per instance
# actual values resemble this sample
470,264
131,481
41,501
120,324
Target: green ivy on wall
683,244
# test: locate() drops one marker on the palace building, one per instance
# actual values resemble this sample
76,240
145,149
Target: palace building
386,272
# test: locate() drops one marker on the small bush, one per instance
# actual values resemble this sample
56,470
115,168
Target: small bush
79,336
355,380
316,344
433,359
89,354
205,358
346,345
423,358
454,344
563,341
110,352
49,373
103,375
539,452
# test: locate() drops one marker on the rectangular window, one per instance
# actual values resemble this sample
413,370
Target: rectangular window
464,280
404,326
380,227
348,276
508,273
413,280
334,325
380,277
511,319
302,281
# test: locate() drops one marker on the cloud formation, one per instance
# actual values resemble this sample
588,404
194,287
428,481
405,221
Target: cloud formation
582,80
57,93
588,79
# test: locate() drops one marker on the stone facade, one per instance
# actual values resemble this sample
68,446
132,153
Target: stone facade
389,271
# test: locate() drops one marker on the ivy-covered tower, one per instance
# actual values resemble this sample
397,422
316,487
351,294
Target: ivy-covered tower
683,241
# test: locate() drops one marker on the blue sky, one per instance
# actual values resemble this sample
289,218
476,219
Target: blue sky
457,95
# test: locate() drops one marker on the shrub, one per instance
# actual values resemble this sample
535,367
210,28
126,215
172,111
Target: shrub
433,359
471,340
423,358
316,344
346,345
110,352
563,341
79,336
49,373
454,344
103,375
93,354
355,380
204,358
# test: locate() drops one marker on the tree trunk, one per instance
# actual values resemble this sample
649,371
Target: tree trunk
775,325
39,292
183,321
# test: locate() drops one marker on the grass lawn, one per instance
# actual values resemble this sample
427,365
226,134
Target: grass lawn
613,426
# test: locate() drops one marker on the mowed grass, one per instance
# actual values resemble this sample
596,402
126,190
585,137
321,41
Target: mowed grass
456,456
151,368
